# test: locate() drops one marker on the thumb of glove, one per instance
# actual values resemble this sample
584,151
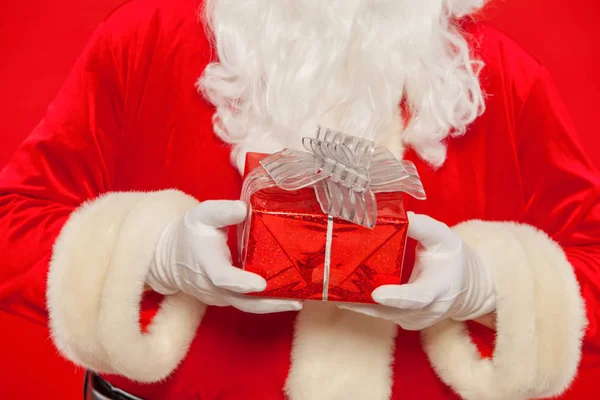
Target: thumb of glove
411,296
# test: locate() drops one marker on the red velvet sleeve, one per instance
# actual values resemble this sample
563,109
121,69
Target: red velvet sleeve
68,158
562,193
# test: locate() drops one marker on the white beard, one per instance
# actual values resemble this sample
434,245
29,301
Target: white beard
287,66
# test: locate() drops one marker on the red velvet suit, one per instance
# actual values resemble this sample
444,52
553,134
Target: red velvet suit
129,118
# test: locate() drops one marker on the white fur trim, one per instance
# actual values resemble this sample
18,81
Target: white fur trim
75,283
540,319
95,285
461,8
339,354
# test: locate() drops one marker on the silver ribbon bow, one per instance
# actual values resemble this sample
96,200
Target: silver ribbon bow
345,171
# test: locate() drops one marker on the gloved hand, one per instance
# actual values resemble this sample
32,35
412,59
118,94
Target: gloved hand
192,256
449,280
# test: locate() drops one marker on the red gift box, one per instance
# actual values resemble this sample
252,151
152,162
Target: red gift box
304,253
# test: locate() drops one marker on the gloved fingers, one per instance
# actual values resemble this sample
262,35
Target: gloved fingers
417,324
201,290
210,298
429,232
235,279
371,310
257,305
225,276
217,213
217,297
158,286
407,320
411,296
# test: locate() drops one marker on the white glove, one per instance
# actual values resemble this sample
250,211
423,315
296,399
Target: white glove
192,256
449,280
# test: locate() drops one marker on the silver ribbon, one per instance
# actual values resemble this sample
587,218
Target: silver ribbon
345,172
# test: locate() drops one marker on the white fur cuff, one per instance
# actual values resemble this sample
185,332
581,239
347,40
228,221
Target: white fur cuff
96,280
540,319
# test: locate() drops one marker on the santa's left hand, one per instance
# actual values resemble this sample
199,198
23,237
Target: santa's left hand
449,280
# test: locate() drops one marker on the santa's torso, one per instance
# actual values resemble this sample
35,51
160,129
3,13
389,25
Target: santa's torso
167,142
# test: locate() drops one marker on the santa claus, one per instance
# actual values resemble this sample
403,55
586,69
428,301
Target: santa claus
113,212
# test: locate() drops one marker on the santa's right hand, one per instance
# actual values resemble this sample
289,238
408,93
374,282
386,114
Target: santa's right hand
192,256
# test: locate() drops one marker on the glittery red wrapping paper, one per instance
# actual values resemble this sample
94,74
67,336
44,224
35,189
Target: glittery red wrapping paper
287,238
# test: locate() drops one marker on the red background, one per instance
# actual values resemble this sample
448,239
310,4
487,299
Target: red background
40,40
